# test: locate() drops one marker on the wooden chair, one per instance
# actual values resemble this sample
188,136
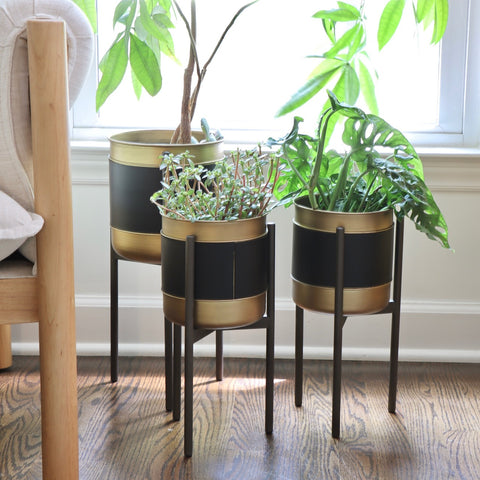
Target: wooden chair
48,298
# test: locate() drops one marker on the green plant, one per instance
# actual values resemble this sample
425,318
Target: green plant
143,40
345,67
239,186
380,170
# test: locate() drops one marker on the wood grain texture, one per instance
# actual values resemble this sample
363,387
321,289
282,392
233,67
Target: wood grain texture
47,61
5,346
125,432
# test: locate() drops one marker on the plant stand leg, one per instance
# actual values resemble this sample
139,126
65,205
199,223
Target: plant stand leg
168,336
270,340
397,293
189,318
219,354
298,356
113,315
337,340
177,370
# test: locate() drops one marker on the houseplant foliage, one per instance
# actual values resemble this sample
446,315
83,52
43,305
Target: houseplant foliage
345,66
225,209
238,187
143,40
379,170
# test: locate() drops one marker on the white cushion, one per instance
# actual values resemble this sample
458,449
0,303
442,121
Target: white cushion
16,225
16,168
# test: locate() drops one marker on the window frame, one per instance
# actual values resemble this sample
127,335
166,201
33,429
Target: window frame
459,119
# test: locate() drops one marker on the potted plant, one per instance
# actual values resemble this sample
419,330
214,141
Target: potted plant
225,207
379,175
135,156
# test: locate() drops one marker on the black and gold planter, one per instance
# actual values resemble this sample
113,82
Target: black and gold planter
368,259
231,271
134,161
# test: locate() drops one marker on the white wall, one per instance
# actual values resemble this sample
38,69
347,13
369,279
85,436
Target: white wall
441,289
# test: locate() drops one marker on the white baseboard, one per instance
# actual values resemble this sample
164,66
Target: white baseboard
430,331
247,351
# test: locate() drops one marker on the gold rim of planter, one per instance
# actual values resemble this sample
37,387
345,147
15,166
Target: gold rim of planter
328,221
217,314
140,247
215,231
145,148
355,300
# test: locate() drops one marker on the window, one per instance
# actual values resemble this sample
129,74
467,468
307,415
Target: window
422,90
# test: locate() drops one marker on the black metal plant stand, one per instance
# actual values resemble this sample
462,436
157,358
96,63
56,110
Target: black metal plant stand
168,332
392,308
192,335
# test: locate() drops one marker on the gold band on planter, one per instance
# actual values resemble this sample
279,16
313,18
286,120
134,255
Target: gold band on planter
327,221
145,148
215,231
139,247
355,300
217,314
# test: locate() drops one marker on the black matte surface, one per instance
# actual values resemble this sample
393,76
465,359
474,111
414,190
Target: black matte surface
130,190
368,258
223,271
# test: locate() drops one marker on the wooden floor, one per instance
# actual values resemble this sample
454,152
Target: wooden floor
125,432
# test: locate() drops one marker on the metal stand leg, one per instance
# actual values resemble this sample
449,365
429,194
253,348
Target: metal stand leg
189,313
337,340
270,348
168,335
177,370
219,354
397,294
113,315
298,356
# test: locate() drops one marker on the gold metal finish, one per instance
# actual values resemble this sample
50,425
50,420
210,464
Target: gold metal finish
355,300
327,221
215,231
216,314
145,148
139,247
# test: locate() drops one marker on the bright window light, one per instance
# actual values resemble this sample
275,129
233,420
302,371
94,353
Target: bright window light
263,61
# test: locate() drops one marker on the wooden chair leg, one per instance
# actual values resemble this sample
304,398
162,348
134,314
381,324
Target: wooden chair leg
56,293
5,347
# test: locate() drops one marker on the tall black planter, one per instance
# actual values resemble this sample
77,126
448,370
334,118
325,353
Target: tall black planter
134,162
231,265
368,259
135,224
343,263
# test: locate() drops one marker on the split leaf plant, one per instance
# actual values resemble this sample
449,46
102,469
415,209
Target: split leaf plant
379,170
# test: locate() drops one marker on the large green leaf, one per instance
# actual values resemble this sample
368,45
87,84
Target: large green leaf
337,15
391,15
348,85
155,27
323,74
114,66
367,87
345,41
89,7
441,19
121,10
145,65
424,7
